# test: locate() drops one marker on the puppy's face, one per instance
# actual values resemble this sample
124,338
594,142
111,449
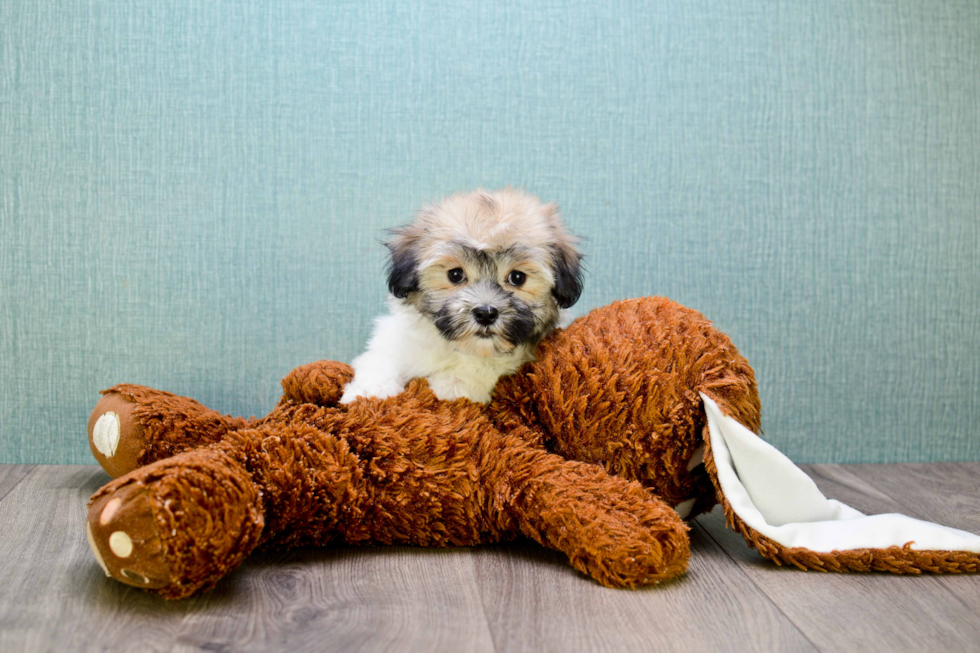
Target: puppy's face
490,269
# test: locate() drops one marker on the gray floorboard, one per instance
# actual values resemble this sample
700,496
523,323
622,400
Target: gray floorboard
536,602
873,611
11,475
507,597
343,599
946,493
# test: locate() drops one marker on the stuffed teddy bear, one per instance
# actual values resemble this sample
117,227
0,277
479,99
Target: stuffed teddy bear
633,418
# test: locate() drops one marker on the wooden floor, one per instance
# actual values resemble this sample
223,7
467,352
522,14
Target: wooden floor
515,597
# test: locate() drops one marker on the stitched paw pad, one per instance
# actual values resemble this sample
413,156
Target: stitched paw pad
125,538
115,435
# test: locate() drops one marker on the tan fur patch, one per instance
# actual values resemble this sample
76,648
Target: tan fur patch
488,221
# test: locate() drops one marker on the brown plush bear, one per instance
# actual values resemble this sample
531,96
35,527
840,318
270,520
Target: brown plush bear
595,450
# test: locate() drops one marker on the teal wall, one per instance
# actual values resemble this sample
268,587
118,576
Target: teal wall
192,193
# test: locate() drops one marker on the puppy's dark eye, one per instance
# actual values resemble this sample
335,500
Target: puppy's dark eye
516,278
456,275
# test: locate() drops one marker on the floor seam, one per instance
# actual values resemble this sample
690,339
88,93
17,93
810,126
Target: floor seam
704,531
483,603
911,511
27,472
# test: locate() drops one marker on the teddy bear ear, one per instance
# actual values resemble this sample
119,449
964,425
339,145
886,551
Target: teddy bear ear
781,512
403,276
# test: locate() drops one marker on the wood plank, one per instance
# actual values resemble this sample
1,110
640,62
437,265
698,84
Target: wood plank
10,476
536,602
856,611
945,493
343,599
55,597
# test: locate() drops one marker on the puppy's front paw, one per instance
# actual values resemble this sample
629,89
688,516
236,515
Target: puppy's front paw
379,388
448,388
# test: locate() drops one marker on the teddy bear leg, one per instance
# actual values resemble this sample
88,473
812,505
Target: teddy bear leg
611,529
132,426
178,525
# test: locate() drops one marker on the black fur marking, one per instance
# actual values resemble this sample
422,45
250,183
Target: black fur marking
403,277
520,326
486,260
568,276
448,326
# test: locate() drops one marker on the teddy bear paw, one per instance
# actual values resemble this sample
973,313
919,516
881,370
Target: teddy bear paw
125,538
115,435
176,526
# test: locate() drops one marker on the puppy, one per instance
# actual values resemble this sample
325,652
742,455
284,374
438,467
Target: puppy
476,281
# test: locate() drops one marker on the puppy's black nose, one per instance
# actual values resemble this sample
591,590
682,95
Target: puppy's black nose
485,315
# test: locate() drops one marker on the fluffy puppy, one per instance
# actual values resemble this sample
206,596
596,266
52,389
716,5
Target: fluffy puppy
476,281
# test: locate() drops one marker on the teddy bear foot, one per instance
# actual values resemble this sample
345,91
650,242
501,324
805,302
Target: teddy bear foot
176,526
126,539
115,435
133,425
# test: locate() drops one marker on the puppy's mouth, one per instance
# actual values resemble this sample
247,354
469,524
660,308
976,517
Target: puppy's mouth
486,345
454,330
495,339
483,341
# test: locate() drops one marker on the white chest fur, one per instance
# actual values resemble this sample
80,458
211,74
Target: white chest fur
406,345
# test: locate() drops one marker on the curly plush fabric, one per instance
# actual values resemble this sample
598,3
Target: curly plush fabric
619,388
588,450
585,451
407,470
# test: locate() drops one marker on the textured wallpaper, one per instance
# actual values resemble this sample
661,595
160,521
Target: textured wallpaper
192,194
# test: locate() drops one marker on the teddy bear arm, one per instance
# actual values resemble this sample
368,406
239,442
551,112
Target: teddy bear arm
612,529
320,383
132,426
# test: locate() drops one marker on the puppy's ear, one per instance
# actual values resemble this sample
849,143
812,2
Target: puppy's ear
403,276
566,261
